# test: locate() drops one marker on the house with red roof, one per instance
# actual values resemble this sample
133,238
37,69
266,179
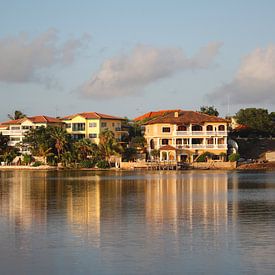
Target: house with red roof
91,124
185,135
16,129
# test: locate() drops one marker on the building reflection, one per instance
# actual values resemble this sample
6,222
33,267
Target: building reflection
191,197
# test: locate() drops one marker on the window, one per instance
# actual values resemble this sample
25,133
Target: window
221,128
92,124
93,135
164,142
103,124
15,139
113,124
15,128
182,128
26,127
209,128
68,125
166,129
78,126
196,128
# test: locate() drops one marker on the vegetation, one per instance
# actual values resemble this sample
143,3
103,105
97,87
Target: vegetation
203,157
209,110
17,115
234,157
155,154
103,164
257,119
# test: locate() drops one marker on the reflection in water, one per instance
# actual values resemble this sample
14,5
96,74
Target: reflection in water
148,215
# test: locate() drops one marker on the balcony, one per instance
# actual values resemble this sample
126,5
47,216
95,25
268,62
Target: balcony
13,132
200,133
201,146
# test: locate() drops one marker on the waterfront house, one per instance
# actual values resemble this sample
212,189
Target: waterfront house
16,129
185,135
91,124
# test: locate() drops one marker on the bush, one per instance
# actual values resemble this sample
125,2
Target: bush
103,164
203,157
37,163
86,164
234,157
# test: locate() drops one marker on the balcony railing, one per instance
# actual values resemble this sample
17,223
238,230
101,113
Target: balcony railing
201,133
201,146
13,132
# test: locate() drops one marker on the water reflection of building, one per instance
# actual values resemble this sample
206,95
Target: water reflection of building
192,197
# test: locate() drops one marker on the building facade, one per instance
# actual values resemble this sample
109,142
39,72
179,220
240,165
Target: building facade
185,135
91,124
16,129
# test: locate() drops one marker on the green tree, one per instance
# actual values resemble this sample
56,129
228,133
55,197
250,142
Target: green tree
109,145
17,115
61,139
3,143
85,148
257,119
209,110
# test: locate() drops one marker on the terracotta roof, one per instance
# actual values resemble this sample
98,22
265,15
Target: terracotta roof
33,119
92,115
185,118
167,148
151,115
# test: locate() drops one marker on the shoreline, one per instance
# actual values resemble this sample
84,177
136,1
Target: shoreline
270,166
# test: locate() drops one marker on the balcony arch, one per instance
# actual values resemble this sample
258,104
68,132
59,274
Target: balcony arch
209,128
221,128
196,128
182,128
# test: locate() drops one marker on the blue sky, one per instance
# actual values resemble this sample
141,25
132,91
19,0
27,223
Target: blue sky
129,57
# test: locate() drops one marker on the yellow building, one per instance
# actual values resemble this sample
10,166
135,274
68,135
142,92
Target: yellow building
184,135
91,124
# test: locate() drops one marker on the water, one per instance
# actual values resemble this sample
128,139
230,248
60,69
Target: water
76,222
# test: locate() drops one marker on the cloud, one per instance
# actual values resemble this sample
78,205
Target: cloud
254,81
23,58
129,74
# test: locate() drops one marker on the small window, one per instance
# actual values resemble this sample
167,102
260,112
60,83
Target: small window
166,129
209,128
15,128
93,135
92,124
113,124
164,142
103,124
182,128
68,125
221,128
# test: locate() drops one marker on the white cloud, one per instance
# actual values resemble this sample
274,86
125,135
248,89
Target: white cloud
130,74
22,58
254,82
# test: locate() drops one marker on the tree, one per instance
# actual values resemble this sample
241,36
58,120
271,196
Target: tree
109,145
85,148
209,110
61,139
257,119
3,143
17,115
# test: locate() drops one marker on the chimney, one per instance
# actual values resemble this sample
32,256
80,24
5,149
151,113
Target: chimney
176,114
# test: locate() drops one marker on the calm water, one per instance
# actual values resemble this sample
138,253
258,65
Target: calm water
137,222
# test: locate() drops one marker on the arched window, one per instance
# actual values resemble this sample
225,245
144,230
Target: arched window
221,128
182,128
209,128
164,141
152,144
196,128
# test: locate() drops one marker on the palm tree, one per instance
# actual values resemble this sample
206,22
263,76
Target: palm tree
17,115
85,148
109,145
60,137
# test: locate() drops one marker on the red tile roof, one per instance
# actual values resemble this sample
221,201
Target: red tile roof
185,118
92,115
167,148
33,119
151,115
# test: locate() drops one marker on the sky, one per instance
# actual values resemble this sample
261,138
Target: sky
126,58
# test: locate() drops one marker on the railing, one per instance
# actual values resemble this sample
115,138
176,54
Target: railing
201,133
13,132
201,146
